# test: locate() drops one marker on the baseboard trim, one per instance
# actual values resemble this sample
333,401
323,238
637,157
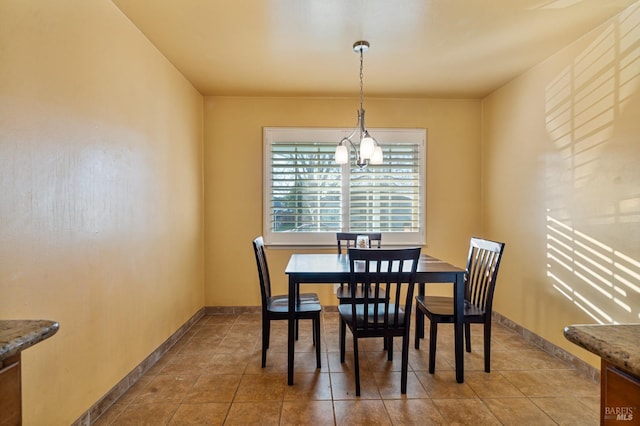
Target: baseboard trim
584,368
109,398
230,310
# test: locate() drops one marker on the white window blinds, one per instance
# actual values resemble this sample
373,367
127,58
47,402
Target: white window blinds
308,197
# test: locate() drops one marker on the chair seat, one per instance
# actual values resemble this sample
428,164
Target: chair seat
304,299
280,304
344,292
443,306
346,313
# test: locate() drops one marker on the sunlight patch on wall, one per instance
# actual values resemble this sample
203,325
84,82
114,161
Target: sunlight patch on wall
593,196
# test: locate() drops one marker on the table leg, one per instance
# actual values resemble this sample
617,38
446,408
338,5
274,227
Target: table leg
458,300
291,334
420,318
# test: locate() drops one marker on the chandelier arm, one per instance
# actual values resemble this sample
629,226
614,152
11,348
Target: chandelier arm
365,139
352,145
355,129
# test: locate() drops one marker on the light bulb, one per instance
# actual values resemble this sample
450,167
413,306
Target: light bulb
376,157
367,145
342,154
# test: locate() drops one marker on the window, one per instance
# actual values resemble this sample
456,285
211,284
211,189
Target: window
308,197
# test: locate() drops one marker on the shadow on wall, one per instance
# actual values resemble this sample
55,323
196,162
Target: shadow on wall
593,175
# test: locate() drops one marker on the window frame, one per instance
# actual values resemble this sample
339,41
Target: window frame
332,136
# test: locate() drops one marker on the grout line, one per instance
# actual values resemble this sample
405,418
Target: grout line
140,371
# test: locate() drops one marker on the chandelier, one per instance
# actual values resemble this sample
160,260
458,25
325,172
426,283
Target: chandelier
368,152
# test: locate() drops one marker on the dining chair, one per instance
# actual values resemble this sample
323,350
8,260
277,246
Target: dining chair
391,270
348,240
276,307
483,262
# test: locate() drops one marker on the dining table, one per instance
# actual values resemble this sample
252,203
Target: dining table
334,268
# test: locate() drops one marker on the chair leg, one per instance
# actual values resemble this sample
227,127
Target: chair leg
297,327
265,340
356,364
467,335
316,336
313,333
405,363
433,335
343,332
487,343
419,327
389,342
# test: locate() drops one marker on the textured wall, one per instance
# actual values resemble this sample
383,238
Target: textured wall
100,197
234,176
561,174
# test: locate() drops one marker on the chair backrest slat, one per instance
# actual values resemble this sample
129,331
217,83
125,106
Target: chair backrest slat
391,270
347,240
263,270
482,270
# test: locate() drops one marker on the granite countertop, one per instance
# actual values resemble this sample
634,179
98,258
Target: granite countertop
18,335
617,344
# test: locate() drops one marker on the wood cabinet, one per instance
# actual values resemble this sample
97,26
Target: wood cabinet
620,397
10,391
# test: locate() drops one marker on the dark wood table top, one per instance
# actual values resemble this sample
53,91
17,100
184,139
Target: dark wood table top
335,267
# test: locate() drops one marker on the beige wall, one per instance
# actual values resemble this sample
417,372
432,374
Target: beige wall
234,172
561,184
101,190
100,197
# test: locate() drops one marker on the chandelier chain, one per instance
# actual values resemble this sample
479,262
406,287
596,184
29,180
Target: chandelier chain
361,85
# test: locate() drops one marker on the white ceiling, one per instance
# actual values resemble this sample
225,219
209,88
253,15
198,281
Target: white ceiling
419,48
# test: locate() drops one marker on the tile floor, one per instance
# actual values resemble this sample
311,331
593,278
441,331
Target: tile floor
213,376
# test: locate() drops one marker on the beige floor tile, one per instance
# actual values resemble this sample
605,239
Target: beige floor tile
378,360
361,412
389,385
207,346
592,402
541,383
465,412
245,329
335,366
213,388
235,344
307,413
168,358
151,414
309,386
254,413
517,412
261,387
343,386
230,363
170,388
569,411
210,413
212,375
111,414
135,390
443,385
490,385
186,363
220,319
251,318
413,412
419,360
276,362
530,359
